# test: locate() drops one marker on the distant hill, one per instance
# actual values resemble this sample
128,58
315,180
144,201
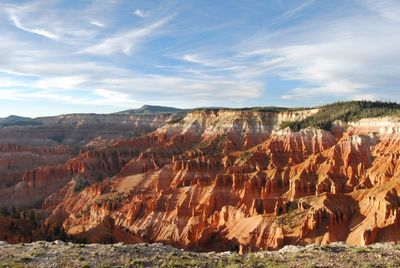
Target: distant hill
153,109
324,118
14,120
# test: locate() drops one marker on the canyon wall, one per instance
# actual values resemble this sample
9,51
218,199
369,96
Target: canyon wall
49,141
220,179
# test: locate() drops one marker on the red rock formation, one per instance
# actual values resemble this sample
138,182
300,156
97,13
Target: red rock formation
226,180
16,159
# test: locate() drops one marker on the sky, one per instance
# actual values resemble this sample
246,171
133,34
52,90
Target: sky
104,56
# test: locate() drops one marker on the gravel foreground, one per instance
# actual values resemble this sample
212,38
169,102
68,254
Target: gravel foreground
60,254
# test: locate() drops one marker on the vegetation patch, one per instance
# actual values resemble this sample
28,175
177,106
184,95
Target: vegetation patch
177,118
251,109
346,112
361,250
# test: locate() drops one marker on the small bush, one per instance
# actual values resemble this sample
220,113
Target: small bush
361,250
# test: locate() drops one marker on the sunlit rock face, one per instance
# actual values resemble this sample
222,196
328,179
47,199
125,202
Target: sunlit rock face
226,180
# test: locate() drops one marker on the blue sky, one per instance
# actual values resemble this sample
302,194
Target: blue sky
108,55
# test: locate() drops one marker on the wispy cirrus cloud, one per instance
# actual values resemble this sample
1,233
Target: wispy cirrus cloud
51,20
293,11
125,42
17,22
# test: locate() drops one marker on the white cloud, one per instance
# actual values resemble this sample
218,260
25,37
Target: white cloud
347,57
209,62
125,42
63,82
31,95
335,88
347,64
6,83
15,73
16,20
97,23
389,9
192,58
291,12
116,98
173,87
341,57
141,13
48,19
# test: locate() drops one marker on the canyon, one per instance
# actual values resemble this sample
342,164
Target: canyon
210,179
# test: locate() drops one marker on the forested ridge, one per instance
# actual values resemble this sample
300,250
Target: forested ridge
346,112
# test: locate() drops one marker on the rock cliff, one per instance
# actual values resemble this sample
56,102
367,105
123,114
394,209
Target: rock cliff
218,179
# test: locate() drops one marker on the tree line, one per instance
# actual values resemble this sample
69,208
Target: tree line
346,112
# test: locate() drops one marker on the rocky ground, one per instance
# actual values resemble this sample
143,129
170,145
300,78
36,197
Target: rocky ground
60,254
